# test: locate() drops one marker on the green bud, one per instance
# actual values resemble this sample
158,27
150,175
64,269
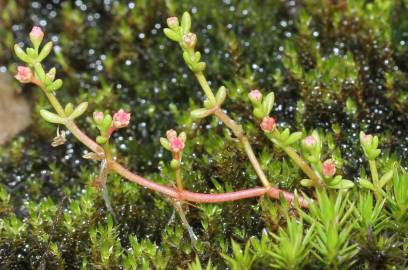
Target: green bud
199,67
31,53
69,108
55,85
51,75
175,164
207,104
107,122
259,112
187,58
101,139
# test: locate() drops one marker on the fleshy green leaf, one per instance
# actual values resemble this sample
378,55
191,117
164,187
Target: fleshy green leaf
186,22
268,102
386,178
165,143
200,113
22,55
187,58
221,95
51,117
39,71
79,110
294,137
107,122
306,183
344,184
31,53
55,85
172,34
367,184
45,51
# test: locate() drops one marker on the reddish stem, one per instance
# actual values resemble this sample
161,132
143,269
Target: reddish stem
182,195
185,195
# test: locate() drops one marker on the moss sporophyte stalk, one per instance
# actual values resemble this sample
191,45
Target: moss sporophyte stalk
322,170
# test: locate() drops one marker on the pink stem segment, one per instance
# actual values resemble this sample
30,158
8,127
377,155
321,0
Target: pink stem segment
185,195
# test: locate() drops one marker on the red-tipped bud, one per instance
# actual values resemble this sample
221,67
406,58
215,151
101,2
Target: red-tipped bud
171,134
36,36
37,32
121,119
172,22
176,144
367,138
268,124
190,40
309,142
24,74
255,96
98,117
328,168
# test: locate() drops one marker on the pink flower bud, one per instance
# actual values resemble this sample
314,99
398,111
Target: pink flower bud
98,117
172,22
309,142
255,95
328,168
268,124
176,144
190,40
367,138
37,33
121,119
24,74
36,36
171,134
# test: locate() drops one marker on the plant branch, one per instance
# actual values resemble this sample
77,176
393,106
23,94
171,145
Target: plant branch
178,194
375,178
235,128
303,165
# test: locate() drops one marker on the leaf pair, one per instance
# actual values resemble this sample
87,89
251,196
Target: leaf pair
70,112
208,107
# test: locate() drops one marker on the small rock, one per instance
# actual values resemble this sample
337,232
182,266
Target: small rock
15,114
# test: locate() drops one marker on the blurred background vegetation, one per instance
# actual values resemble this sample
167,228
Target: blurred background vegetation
337,66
